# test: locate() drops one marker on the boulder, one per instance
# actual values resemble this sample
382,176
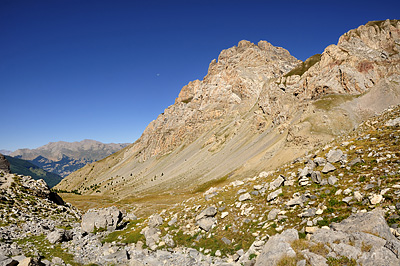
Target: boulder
273,213
245,196
107,218
277,247
375,199
155,220
152,236
314,259
316,177
168,240
393,122
355,161
276,183
295,201
173,220
320,161
56,236
274,195
206,223
328,168
346,250
334,156
6,261
208,212
358,196
368,222
332,180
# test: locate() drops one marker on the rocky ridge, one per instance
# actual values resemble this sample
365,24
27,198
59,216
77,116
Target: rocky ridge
257,105
337,205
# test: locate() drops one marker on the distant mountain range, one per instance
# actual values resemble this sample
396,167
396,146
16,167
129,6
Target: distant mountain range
63,158
23,167
5,152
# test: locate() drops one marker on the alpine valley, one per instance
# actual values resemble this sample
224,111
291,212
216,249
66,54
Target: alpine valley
63,158
268,160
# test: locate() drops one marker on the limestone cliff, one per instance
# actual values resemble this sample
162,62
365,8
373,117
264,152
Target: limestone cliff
257,106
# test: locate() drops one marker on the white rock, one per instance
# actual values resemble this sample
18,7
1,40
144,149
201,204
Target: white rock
383,192
347,191
274,195
245,196
263,174
258,187
358,196
375,199
328,168
237,183
224,214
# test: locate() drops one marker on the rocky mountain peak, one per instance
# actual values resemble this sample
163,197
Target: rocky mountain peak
257,105
232,85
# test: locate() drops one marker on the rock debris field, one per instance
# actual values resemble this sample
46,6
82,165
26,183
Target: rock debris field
338,205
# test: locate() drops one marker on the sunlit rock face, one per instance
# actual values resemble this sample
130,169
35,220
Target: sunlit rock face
258,105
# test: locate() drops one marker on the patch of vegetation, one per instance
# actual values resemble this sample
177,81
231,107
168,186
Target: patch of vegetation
188,100
75,191
328,102
45,248
304,66
203,187
287,261
342,261
253,256
130,234
323,223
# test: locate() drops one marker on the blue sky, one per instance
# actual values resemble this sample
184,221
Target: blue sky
73,70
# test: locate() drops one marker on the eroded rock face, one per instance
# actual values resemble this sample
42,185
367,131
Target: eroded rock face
107,218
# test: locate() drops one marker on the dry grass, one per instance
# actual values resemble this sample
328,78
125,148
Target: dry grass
365,247
287,261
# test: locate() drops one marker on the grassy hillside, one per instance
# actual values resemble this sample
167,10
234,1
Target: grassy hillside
23,167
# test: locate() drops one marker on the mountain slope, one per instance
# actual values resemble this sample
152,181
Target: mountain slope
23,167
64,158
257,108
338,205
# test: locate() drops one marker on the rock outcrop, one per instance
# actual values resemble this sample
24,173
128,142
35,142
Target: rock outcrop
4,164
